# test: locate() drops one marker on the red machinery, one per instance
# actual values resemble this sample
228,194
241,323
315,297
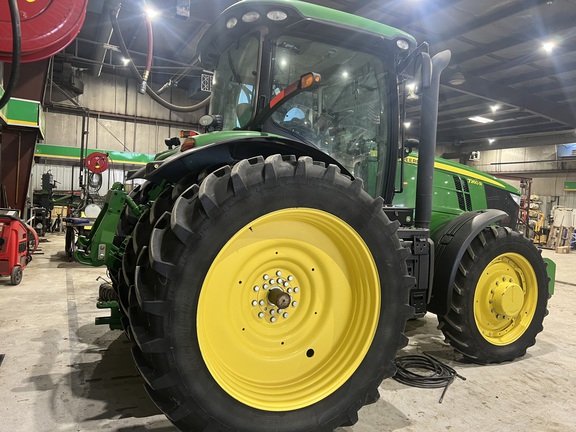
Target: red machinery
17,241
47,27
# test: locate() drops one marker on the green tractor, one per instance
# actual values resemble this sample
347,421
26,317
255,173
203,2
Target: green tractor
265,271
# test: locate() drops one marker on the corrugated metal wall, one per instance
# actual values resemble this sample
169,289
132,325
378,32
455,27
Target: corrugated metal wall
142,124
120,119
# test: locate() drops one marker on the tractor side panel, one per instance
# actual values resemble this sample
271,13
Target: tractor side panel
446,202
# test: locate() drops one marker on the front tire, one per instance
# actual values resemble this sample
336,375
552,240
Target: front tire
221,351
499,298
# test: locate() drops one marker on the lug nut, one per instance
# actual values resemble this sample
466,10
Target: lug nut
290,277
265,277
273,319
265,286
294,304
261,315
296,289
286,284
289,290
272,311
256,288
261,302
285,315
278,273
254,303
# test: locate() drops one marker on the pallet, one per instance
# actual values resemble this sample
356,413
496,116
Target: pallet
559,237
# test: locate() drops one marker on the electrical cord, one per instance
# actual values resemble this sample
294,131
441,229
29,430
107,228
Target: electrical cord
441,377
16,52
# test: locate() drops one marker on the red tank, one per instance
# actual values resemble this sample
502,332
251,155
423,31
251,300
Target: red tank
14,245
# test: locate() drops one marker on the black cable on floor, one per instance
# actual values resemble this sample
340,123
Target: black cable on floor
441,377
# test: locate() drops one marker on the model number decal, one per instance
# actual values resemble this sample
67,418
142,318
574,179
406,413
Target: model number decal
475,182
411,160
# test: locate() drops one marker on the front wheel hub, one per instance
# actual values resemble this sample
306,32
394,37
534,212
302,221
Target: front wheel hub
505,299
508,299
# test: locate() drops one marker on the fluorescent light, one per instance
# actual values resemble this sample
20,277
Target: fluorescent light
491,140
480,119
494,108
407,124
125,61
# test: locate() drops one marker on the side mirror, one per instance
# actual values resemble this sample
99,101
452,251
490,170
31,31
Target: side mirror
409,145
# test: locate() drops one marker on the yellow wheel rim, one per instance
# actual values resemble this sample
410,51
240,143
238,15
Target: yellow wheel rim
505,299
288,309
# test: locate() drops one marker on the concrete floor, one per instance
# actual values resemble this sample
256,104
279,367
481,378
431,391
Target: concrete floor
63,373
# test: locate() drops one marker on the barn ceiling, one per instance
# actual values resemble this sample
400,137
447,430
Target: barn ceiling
513,61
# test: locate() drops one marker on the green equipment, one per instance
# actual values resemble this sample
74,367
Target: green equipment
266,269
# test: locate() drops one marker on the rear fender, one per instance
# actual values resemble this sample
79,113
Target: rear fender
229,152
451,241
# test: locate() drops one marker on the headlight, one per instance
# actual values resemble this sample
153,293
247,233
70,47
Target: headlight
249,17
277,15
231,23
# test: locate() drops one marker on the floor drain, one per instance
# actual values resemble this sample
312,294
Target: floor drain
1,358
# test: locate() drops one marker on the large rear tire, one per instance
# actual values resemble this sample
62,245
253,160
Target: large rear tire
273,298
499,298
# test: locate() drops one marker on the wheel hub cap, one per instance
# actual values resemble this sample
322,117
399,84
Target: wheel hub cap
508,299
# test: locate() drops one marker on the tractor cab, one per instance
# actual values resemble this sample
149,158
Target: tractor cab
259,51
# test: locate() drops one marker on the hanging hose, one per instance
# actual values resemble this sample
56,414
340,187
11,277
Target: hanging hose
16,52
137,75
150,52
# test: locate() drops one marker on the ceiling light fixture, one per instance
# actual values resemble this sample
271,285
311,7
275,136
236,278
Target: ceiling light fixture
549,46
494,108
480,119
457,78
152,13
491,140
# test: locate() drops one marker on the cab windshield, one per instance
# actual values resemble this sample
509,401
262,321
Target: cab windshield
347,116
